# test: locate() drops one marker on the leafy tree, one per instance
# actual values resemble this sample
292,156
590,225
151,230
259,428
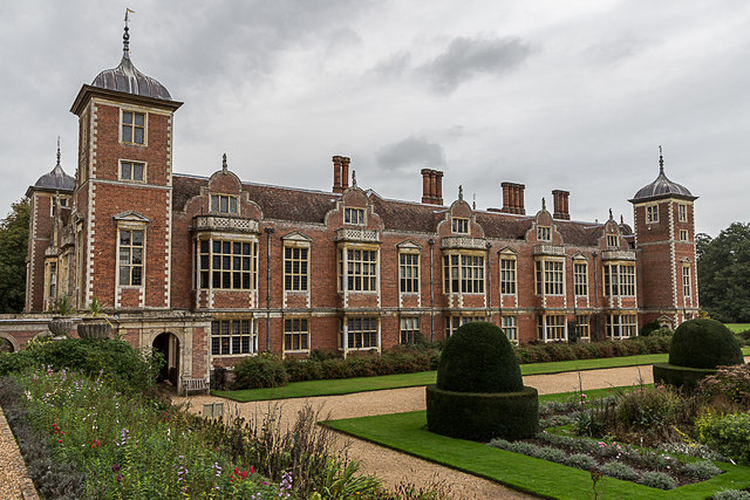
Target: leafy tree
724,273
14,237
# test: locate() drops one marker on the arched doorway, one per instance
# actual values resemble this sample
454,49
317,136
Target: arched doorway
6,345
169,345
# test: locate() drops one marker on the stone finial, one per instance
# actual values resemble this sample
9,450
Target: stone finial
460,192
224,163
661,161
354,178
544,204
610,215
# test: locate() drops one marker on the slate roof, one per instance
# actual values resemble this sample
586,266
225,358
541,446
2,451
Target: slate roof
56,180
310,206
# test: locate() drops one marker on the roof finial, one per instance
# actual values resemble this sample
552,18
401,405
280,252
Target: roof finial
58,150
354,178
622,220
224,163
610,215
661,161
544,204
460,192
474,201
126,36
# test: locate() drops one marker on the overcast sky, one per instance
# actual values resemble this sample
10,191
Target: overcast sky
574,95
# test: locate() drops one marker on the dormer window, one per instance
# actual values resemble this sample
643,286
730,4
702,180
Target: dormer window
612,241
544,233
224,204
652,214
354,216
460,226
133,127
132,171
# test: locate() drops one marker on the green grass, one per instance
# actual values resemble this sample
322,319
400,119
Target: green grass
407,433
312,388
738,327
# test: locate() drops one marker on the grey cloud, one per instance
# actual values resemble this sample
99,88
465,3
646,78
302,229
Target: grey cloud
611,51
392,67
466,58
411,152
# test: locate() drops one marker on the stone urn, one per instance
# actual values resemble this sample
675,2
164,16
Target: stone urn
94,328
60,326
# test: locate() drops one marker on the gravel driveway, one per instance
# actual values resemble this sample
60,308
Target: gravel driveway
394,467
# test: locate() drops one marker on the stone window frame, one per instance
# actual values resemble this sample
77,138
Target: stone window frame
682,212
686,278
619,279
652,213
232,204
205,260
408,328
409,271
223,329
544,233
454,322
144,172
363,330
302,273
617,328
134,126
459,225
580,277
582,324
355,216
552,327
509,325
508,268
684,235
461,276
296,327
348,269
613,241
131,227
549,277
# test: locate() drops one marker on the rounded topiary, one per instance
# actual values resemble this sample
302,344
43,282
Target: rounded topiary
698,347
479,393
479,358
704,343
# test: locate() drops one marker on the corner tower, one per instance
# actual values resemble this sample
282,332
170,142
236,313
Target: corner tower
123,188
663,213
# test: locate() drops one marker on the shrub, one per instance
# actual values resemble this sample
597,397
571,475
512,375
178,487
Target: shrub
731,383
649,327
478,358
649,408
263,370
580,461
551,454
523,448
503,444
729,435
701,469
729,494
657,480
704,343
619,470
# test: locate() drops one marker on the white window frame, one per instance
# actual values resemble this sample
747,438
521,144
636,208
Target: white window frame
682,212
583,326
132,164
508,274
580,278
463,272
453,323
619,279
622,325
206,258
408,272
550,277
229,329
302,270
509,325
686,280
409,327
364,338
358,274
130,265
684,235
552,328
652,214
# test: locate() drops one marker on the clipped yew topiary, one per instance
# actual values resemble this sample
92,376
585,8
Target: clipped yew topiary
698,347
479,393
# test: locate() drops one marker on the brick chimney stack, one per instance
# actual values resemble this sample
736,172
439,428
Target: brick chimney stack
340,173
513,202
560,204
432,186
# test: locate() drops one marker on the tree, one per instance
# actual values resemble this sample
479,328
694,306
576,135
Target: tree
724,273
14,240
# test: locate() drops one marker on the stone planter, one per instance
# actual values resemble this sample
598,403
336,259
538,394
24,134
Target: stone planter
94,328
60,326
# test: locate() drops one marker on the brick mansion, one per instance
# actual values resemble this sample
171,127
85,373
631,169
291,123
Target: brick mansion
212,269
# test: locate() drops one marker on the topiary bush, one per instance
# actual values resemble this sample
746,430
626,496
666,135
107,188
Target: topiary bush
479,393
263,370
704,343
479,358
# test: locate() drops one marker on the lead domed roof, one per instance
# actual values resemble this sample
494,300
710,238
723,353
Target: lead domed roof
56,179
127,78
662,187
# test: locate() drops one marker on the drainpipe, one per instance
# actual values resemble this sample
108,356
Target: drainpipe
269,232
488,272
596,293
432,293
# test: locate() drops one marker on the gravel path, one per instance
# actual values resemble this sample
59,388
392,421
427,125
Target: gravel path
14,481
393,467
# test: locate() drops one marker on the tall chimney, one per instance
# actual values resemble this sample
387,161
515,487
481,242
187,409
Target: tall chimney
560,203
337,188
520,205
426,194
507,204
438,193
345,171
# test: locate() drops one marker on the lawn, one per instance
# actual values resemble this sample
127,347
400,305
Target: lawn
738,327
406,432
312,388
